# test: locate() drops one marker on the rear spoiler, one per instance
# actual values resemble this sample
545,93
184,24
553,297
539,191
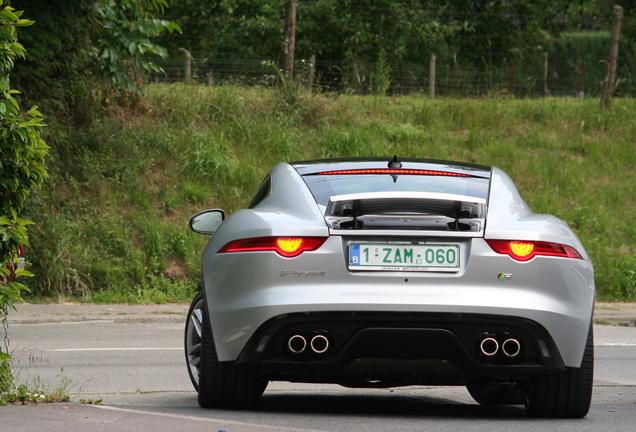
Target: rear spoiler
421,211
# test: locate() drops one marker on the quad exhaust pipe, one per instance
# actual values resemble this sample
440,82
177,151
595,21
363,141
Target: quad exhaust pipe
297,344
511,348
319,344
489,347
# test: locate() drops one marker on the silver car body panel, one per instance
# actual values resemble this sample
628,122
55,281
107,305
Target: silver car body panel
509,217
244,290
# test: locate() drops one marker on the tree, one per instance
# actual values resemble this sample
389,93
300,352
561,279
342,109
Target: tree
80,46
56,46
347,35
498,30
228,28
22,170
122,37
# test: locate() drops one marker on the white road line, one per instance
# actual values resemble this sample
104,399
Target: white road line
602,345
108,349
225,423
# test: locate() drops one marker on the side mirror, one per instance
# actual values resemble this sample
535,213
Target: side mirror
207,221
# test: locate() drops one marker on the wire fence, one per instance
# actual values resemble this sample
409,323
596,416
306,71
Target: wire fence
440,48
572,64
547,76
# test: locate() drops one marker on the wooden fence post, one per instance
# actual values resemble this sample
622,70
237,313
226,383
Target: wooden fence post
513,78
546,91
581,79
188,66
610,74
312,70
431,84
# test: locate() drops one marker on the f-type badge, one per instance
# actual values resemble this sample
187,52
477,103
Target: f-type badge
502,276
302,273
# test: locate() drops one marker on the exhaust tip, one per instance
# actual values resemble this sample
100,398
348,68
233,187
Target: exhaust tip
319,344
511,347
297,344
489,346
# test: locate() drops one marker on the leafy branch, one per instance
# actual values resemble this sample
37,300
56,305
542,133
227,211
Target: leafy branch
123,33
22,154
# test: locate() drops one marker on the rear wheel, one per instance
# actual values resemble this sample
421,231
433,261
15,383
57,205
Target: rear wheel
567,394
224,384
496,394
193,330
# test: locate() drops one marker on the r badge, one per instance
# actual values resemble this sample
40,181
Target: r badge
502,276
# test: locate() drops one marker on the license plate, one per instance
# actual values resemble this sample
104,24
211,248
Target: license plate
404,257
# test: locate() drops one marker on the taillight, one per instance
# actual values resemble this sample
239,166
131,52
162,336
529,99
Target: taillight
284,246
526,250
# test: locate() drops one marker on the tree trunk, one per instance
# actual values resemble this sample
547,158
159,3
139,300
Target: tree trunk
290,38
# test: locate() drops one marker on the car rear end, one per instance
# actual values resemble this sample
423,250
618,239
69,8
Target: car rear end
404,276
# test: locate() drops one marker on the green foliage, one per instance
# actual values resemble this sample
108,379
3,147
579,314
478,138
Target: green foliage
228,26
54,74
355,31
85,55
22,153
33,392
9,47
476,42
110,42
22,172
380,79
569,51
123,38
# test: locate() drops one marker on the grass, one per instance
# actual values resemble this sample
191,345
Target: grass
34,392
111,226
90,401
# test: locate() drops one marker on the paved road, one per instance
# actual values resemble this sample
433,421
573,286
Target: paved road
138,369
103,357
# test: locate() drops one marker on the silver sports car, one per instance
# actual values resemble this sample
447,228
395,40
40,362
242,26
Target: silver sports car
392,272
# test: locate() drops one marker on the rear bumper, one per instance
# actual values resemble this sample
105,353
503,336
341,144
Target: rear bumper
244,291
382,349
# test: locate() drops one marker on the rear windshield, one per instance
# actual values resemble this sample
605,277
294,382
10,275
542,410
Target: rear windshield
325,186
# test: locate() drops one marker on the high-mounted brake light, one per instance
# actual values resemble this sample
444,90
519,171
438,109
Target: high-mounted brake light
394,171
526,250
285,246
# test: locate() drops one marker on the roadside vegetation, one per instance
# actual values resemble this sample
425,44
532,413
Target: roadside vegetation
34,392
111,225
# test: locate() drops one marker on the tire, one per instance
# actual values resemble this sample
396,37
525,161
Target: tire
567,394
224,384
496,394
192,340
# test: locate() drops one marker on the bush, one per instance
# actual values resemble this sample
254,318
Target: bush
22,154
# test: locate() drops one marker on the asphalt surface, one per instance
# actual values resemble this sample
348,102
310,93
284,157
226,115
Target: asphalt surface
613,405
622,314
